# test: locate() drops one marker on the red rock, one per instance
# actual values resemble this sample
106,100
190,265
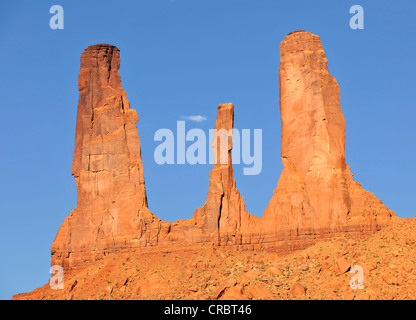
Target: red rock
305,255
316,197
247,268
112,204
407,267
336,284
297,290
343,265
325,266
259,292
249,276
275,271
222,286
141,271
233,293
316,194
224,219
393,280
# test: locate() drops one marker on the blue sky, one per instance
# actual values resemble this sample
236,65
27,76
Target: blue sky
181,58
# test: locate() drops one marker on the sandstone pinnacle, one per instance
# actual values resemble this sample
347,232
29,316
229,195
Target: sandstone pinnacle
107,166
315,194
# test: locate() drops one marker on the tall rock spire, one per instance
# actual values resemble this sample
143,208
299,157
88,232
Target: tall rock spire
107,146
107,166
316,194
224,219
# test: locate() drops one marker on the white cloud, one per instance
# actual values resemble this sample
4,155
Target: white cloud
197,118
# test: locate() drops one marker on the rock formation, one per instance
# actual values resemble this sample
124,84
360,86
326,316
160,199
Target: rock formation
316,195
315,198
112,208
224,219
220,272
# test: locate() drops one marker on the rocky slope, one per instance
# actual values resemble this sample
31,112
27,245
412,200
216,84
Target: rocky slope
388,259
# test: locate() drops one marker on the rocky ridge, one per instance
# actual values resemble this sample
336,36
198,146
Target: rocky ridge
316,197
319,272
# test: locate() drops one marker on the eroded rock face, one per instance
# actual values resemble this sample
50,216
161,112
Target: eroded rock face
224,219
316,196
112,206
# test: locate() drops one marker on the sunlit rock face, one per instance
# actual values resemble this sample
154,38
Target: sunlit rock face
315,198
112,208
316,195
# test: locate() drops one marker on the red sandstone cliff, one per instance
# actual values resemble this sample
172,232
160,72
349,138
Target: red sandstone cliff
315,198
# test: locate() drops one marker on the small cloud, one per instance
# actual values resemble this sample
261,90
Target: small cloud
197,118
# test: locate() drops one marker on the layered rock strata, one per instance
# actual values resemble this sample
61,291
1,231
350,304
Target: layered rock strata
112,207
224,219
316,196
